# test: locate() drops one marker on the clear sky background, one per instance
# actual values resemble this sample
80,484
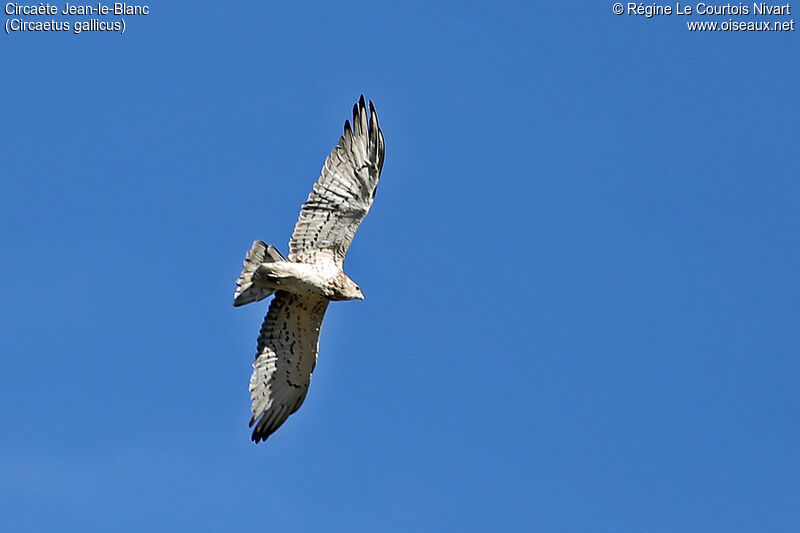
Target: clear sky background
581,271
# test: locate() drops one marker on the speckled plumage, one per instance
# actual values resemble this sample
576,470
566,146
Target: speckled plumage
313,274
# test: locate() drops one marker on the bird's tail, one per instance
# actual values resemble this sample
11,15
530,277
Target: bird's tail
246,291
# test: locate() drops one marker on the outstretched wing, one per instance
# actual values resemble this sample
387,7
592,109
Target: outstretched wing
287,354
343,193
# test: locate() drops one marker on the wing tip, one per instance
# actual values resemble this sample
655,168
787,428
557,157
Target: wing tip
360,114
258,435
266,425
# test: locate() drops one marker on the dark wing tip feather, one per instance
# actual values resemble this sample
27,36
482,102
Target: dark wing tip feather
374,128
376,135
347,126
359,109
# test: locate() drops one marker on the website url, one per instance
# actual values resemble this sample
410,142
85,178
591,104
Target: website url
735,25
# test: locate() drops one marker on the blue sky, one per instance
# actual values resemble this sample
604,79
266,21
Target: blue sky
581,272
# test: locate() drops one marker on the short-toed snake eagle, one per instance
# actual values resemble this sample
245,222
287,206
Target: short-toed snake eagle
312,276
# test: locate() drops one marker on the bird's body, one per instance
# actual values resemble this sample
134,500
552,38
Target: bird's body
313,274
322,279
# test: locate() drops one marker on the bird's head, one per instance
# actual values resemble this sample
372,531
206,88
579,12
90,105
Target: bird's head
353,291
344,288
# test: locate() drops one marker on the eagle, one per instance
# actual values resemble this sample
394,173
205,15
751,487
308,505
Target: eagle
312,276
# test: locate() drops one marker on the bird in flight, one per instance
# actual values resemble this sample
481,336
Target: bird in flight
312,275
